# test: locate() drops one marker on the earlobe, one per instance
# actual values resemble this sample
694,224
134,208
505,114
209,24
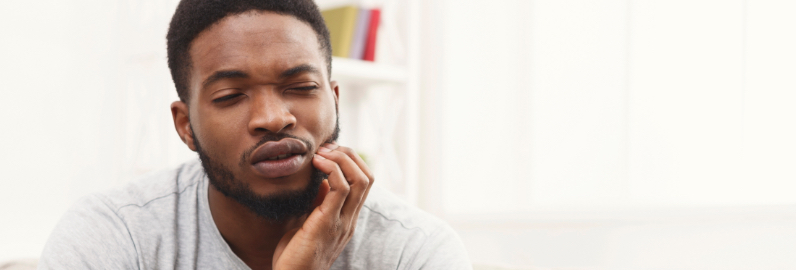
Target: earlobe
182,123
188,138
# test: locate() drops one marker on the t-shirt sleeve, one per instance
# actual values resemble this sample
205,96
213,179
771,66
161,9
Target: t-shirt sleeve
443,250
89,236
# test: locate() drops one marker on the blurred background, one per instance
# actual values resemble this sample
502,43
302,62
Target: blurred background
567,134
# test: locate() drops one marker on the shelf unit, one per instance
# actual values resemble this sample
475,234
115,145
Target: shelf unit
379,100
367,73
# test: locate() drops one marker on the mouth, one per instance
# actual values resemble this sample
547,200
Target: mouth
280,158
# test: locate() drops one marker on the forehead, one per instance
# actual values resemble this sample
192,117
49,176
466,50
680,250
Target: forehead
262,43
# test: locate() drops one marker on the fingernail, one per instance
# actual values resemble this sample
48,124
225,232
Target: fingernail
324,149
320,157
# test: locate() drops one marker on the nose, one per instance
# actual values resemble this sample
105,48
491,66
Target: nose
270,113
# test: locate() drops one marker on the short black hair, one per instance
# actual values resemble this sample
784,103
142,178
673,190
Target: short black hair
194,16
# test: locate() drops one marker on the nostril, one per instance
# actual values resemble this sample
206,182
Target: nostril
260,129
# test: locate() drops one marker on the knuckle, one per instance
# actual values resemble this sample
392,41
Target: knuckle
336,167
344,157
338,225
337,153
363,181
345,189
335,227
346,150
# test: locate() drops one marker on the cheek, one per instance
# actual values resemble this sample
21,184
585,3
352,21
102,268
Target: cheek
321,122
220,135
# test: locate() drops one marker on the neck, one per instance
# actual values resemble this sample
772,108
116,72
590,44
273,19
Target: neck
251,237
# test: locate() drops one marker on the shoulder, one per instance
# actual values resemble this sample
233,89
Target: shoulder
112,223
154,187
88,228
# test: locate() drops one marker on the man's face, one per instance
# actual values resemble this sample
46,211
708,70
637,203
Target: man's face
261,103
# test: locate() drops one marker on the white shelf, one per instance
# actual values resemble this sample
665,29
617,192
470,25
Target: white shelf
380,113
365,72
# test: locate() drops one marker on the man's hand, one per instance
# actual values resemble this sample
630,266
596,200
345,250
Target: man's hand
331,225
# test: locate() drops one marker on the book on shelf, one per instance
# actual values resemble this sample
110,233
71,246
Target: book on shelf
341,22
360,34
353,31
370,43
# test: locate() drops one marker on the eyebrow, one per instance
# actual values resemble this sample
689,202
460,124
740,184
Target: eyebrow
230,74
303,68
224,74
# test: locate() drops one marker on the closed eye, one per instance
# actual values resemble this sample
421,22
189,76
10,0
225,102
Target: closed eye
226,98
305,88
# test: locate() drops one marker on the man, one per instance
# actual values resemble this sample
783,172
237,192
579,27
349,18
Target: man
272,190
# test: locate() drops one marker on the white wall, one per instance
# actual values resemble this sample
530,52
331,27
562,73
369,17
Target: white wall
596,109
85,99
617,102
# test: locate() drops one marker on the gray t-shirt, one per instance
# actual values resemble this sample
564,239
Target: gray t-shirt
163,222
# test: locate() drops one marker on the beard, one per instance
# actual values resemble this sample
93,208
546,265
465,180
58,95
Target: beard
276,207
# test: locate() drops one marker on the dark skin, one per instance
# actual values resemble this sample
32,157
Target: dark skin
257,73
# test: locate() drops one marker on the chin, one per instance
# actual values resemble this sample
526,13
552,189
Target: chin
276,199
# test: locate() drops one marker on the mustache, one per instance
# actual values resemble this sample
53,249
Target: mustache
272,137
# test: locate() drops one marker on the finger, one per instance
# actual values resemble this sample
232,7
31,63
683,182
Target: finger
356,179
361,204
359,161
365,169
338,187
362,165
354,156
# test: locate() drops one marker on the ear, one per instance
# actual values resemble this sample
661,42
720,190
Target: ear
182,123
335,90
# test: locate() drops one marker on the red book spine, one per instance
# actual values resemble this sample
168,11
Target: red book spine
370,46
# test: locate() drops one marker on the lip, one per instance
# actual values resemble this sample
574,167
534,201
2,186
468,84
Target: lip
281,167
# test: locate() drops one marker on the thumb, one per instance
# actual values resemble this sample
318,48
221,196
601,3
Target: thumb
280,247
323,190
